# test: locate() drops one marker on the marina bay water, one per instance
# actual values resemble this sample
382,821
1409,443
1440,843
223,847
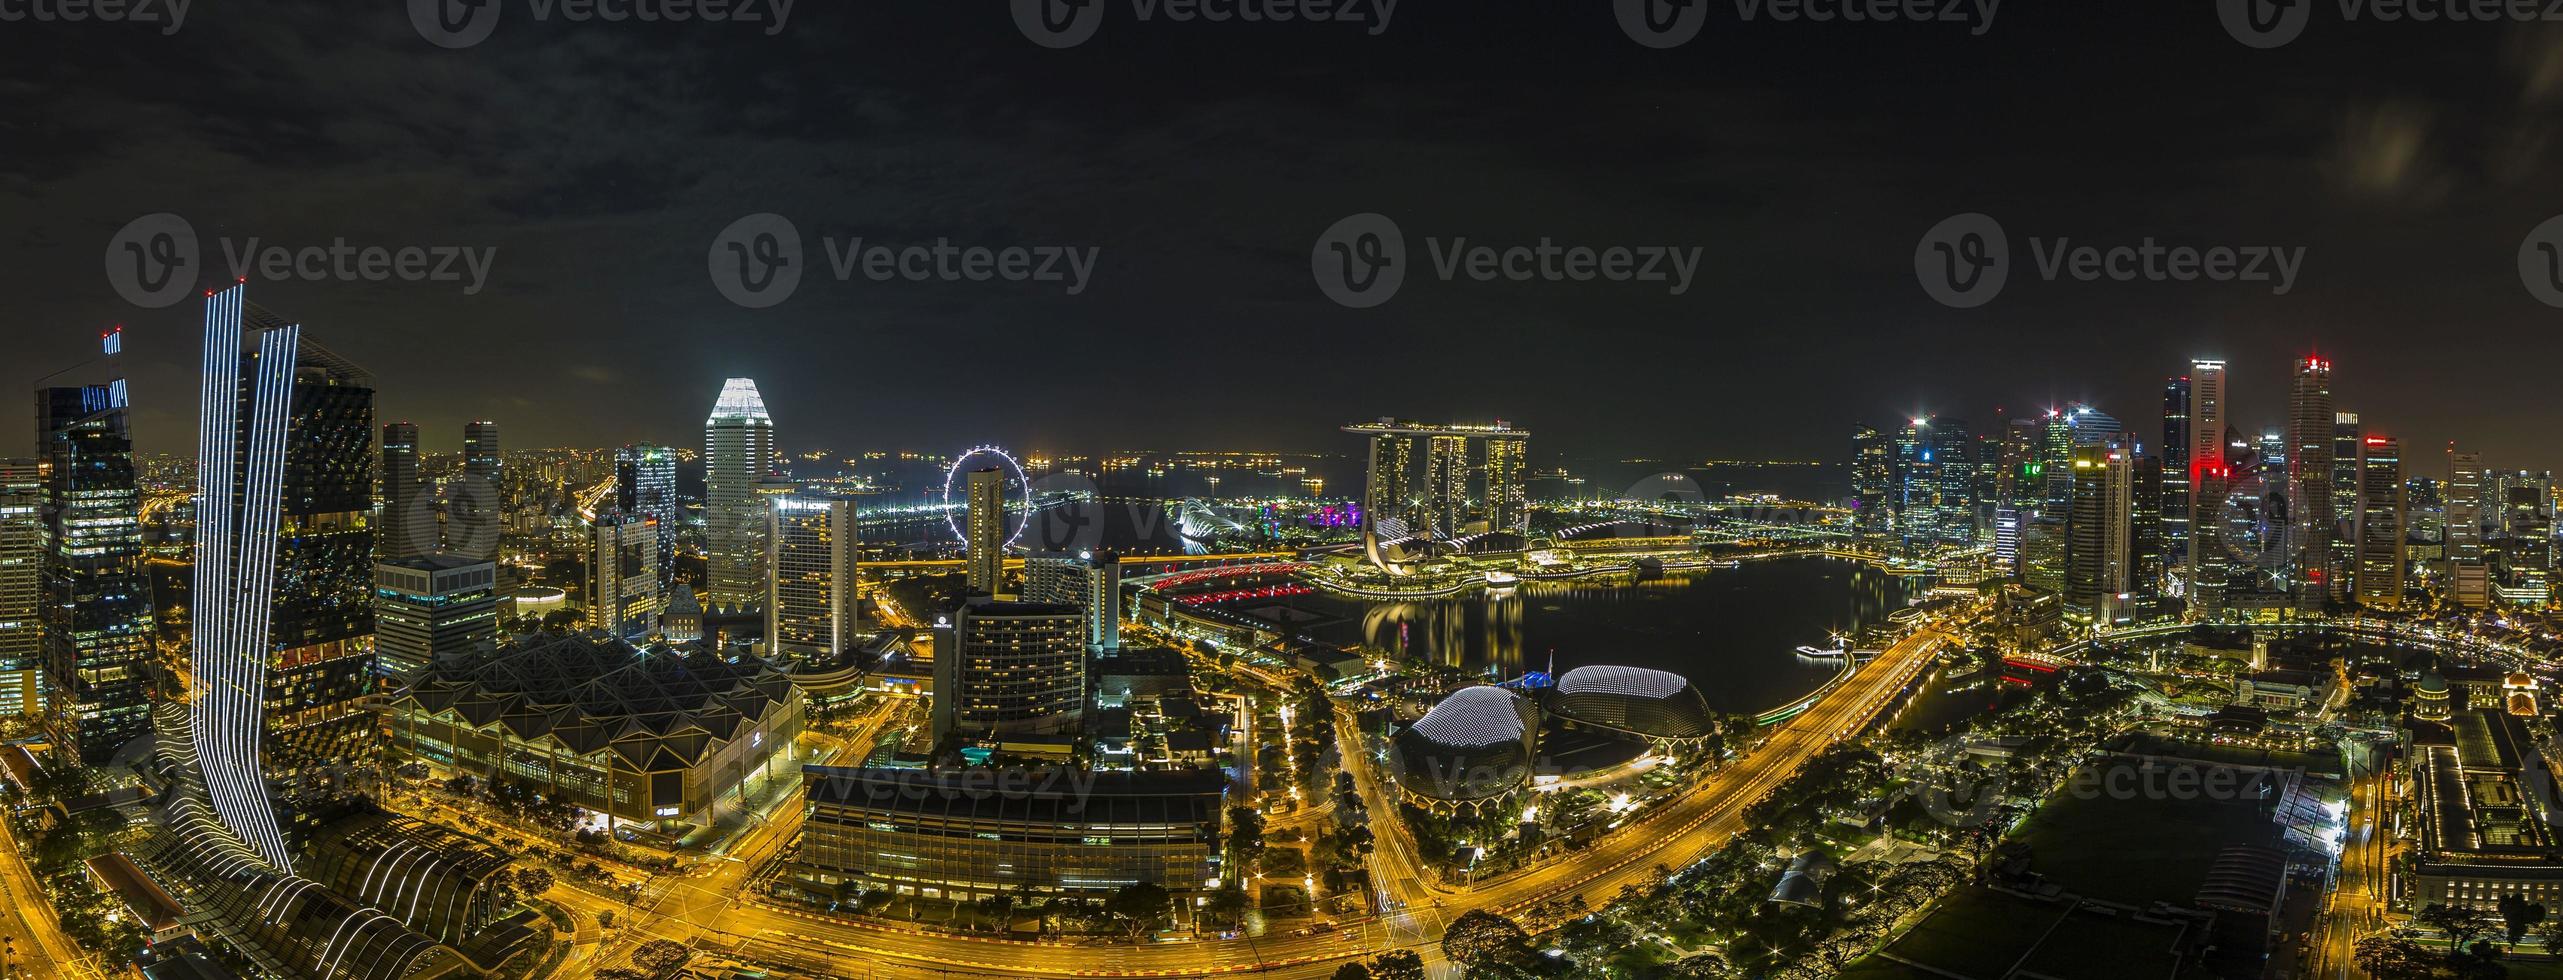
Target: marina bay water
1733,632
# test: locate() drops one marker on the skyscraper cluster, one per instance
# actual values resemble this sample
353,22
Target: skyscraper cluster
2312,515
1465,494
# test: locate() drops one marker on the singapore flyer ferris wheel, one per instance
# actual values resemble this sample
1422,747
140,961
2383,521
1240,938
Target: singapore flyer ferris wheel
956,490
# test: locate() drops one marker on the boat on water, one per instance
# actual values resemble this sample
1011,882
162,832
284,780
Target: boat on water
1836,654
1502,580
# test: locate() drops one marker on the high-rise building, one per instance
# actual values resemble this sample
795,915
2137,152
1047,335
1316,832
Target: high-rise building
431,608
623,595
2098,549
2526,522
2175,472
984,526
1953,458
645,483
1917,485
1083,579
2311,420
2468,573
1508,485
2204,578
812,613
738,453
2149,561
407,528
97,602
474,522
22,547
1009,668
1446,470
1389,490
284,564
2380,523
1872,477
1393,518
2345,494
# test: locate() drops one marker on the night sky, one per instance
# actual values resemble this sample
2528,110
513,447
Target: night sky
1203,160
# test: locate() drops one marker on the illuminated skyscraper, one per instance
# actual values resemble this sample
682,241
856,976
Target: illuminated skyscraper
430,608
284,564
2381,521
2148,564
812,612
2468,571
985,528
645,483
1390,488
1086,580
1917,485
623,583
1446,485
1005,668
407,528
2098,549
2311,421
2526,522
1508,485
2345,493
1954,464
1872,479
2205,577
22,640
738,452
474,523
2175,474
97,602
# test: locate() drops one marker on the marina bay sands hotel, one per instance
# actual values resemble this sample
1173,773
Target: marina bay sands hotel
1465,495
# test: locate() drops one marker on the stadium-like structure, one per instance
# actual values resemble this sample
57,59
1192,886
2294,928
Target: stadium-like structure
1651,704
1473,749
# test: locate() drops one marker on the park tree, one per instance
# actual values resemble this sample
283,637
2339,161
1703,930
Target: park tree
1402,964
1484,940
1352,971
1226,904
1142,905
2461,923
2394,958
660,957
533,881
2518,915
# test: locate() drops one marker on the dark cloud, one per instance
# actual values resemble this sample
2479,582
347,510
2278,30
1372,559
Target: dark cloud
1804,160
